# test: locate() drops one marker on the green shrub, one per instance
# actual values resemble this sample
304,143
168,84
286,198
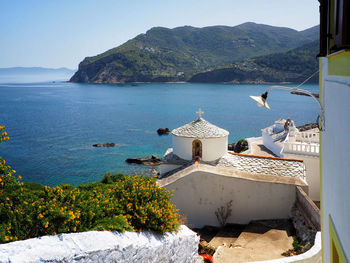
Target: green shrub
118,202
296,244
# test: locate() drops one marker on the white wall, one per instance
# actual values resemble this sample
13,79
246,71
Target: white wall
199,194
105,246
312,166
212,148
270,144
335,158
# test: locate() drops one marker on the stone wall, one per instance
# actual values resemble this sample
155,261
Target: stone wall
105,246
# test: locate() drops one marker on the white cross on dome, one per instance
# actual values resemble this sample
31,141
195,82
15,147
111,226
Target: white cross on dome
200,112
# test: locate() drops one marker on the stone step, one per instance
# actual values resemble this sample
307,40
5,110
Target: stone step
252,231
269,245
227,236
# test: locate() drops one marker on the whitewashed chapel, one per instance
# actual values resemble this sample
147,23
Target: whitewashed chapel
206,177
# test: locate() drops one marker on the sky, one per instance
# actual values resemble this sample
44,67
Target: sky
61,33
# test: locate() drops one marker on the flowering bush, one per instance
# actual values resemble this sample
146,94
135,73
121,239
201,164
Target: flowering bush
118,202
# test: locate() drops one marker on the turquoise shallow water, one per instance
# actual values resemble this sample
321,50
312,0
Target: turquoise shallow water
52,126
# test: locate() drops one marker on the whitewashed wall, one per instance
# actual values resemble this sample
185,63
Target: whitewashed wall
312,166
250,141
335,158
199,194
270,144
212,148
105,247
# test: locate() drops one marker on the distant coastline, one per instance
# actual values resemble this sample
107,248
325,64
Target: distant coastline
249,53
34,74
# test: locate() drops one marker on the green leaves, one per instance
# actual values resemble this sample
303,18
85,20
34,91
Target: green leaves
117,203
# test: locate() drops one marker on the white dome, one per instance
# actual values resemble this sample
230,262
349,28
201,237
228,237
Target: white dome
200,128
201,139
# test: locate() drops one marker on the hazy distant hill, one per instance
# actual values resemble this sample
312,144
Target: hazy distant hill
34,74
177,54
291,66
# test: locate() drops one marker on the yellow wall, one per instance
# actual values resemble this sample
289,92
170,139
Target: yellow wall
339,64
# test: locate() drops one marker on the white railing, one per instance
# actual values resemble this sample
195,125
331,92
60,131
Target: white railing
309,137
302,148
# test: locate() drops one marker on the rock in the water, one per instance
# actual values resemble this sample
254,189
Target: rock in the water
162,131
153,160
108,144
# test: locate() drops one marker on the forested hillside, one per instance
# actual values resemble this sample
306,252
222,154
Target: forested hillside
178,54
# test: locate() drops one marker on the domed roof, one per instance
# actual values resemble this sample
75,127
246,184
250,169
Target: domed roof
200,128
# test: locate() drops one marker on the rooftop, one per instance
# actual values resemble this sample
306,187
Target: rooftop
200,128
264,165
251,164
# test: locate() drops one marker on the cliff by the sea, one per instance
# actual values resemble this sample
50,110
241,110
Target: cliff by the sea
247,53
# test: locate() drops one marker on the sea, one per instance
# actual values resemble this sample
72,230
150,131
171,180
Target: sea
53,125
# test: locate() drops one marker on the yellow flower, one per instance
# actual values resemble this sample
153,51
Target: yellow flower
47,224
41,216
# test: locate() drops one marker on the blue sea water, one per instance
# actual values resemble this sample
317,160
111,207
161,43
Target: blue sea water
52,126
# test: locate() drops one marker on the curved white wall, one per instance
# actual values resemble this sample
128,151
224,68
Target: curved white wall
212,148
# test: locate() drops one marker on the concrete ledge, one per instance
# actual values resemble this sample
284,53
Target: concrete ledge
314,255
105,246
231,172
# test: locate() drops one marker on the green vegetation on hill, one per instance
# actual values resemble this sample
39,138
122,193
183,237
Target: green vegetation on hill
177,54
291,66
118,202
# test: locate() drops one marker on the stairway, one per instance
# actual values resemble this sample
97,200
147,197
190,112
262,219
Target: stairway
259,240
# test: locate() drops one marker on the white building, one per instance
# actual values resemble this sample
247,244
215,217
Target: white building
206,177
198,139
286,141
335,150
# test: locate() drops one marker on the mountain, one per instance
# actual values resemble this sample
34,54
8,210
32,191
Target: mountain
291,66
34,74
177,54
